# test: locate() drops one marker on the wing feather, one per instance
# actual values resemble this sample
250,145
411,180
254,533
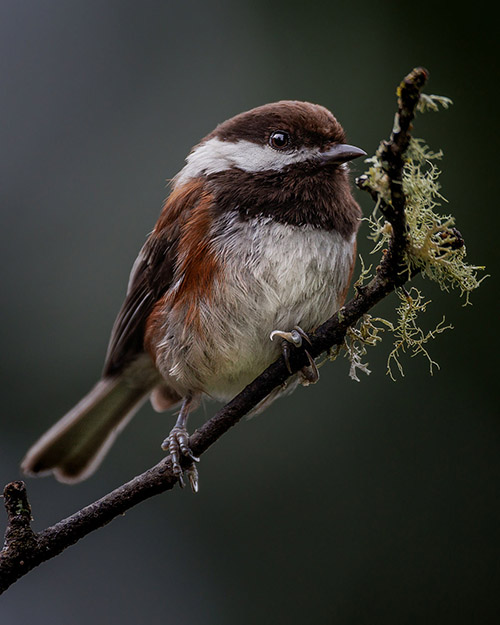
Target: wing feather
151,277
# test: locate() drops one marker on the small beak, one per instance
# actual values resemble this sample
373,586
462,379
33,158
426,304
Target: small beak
341,153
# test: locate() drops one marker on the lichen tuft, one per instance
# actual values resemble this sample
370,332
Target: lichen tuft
435,247
408,335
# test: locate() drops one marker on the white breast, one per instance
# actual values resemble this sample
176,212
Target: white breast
275,276
290,273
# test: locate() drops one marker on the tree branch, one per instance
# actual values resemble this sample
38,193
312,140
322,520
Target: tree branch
24,549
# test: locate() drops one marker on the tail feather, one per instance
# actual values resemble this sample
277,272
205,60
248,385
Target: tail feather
74,447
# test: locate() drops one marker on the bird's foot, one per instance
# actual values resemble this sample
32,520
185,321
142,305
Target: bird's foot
296,337
177,445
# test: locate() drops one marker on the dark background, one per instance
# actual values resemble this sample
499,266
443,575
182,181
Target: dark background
370,502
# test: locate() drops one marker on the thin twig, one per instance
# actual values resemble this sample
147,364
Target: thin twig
23,549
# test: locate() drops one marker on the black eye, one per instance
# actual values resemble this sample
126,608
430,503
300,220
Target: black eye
279,139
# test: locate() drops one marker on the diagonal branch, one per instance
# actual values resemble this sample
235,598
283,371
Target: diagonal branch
23,549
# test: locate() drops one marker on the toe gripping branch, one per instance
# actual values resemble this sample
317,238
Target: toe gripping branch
296,337
177,445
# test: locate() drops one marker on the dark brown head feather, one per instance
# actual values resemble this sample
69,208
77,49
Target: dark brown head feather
308,124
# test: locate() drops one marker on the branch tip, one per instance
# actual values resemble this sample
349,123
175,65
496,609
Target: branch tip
16,503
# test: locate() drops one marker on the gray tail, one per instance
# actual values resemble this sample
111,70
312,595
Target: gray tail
74,447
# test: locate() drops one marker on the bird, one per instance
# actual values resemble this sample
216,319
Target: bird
256,241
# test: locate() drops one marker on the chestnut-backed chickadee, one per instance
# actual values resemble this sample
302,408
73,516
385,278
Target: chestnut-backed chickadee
257,238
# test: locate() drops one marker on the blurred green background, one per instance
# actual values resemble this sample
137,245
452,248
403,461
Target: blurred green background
370,502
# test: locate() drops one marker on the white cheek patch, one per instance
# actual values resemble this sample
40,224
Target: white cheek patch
215,155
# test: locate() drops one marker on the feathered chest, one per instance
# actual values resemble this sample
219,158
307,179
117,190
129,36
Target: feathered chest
270,276
279,271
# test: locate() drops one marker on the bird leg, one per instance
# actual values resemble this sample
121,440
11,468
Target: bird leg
310,373
177,444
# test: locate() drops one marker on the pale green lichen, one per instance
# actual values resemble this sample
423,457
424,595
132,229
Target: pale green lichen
357,339
431,236
364,275
409,337
434,248
432,102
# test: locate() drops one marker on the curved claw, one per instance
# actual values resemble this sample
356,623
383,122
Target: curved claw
192,474
309,374
285,352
